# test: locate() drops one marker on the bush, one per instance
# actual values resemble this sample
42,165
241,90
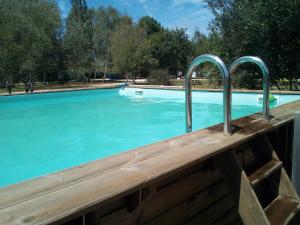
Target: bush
212,73
62,76
246,77
159,77
247,80
77,74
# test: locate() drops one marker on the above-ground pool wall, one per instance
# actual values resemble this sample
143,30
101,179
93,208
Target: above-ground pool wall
202,178
198,193
230,188
195,194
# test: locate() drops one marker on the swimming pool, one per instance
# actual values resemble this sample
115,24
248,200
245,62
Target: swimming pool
45,133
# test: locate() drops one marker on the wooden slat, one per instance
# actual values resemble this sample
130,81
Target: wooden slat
58,199
191,207
283,210
212,213
264,172
228,218
165,199
246,158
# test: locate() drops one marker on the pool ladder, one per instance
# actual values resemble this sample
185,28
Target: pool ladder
226,77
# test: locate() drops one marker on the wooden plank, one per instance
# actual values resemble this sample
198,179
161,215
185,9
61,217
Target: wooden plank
283,210
191,207
249,207
128,174
246,158
264,172
212,213
173,178
164,199
180,191
228,218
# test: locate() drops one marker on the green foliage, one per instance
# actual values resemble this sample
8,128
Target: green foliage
25,42
100,41
269,29
138,49
105,22
172,49
149,25
211,44
130,50
247,80
90,42
78,40
159,77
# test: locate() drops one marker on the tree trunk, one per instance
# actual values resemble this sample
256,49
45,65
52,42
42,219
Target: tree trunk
291,82
296,85
95,75
105,71
44,78
106,64
126,75
90,77
31,84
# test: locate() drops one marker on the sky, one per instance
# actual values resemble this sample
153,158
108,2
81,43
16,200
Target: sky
190,14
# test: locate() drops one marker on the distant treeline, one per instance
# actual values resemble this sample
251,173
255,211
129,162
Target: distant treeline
36,44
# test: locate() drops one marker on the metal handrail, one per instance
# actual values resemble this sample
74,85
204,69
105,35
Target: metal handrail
266,79
226,90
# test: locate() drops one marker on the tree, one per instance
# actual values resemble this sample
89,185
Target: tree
27,37
149,25
269,29
105,22
78,40
130,50
172,49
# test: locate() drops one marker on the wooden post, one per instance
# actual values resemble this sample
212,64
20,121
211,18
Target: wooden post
296,154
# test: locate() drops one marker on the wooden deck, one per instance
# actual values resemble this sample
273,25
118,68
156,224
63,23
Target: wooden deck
201,176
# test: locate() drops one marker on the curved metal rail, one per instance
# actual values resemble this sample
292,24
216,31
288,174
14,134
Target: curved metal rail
226,90
266,79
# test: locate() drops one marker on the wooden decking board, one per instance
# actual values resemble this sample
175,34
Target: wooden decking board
228,218
167,198
264,172
246,158
60,195
171,179
187,209
282,211
213,212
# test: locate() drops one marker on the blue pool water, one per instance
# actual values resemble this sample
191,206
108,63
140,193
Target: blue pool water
44,133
